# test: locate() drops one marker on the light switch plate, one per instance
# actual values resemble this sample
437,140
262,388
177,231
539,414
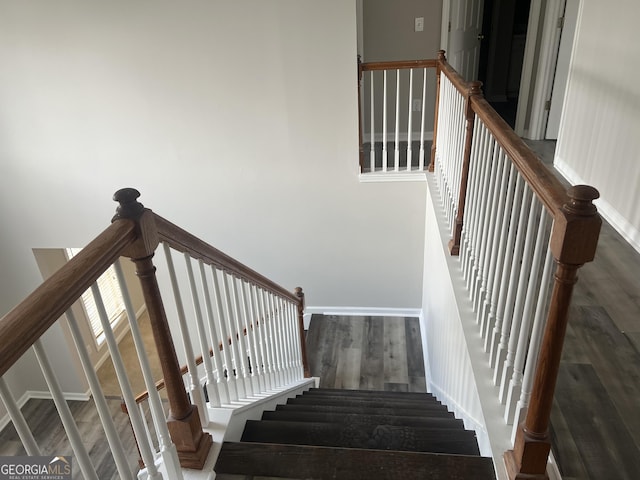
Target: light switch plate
419,24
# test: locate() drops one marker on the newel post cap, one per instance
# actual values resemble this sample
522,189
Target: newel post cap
581,199
129,206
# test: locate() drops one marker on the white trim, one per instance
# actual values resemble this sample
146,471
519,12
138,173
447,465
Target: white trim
365,311
391,176
547,59
444,27
628,231
526,78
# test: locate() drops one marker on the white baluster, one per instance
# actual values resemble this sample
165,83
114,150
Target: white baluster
424,106
470,204
234,338
410,119
505,278
20,424
534,345
228,345
68,422
222,386
373,130
211,383
384,121
269,341
259,337
168,451
288,336
193,381
512,293
297,341
515,384
502,227
277,338
243,332
247,314
113,439
396,150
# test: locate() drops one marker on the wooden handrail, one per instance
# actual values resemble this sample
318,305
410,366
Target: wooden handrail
185,242
399,65
28,321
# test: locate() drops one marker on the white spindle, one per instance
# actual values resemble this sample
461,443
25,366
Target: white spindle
211,383
470,204
241,327
410,119
424,106
515,384
123,380
261,346
297,341
396,150
167,448
502,228
521,294
277,337
535,342
271,349
384,121
222,386
505,277
113,439
373,130
193,381
228,346
20,424
288,336
84,462
239,356
256,375
507,321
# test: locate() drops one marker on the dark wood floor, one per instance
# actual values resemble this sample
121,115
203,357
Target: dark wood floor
368,353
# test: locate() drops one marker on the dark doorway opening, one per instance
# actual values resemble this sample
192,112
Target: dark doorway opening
504,29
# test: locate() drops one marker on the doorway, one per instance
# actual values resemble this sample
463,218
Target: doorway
502,48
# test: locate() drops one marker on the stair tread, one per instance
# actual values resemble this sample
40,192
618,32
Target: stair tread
371,398
369,393
355,402
312,462
378,437
360,409
359,418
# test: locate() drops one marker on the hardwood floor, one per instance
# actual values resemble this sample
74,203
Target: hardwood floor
368,353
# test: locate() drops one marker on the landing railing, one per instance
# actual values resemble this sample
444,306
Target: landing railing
510,220
247,329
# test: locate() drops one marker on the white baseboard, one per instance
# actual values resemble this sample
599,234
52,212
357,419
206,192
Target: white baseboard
364,311
392,176
628,231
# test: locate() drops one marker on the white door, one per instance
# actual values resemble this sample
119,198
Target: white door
562,69
465,30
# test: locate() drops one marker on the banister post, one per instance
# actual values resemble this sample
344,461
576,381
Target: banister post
184,426
360,123
475,89
303,344
441,60
574,239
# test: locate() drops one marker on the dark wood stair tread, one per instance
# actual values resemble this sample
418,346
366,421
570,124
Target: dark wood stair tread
406,412
359,418
354,402
380,437
370,393
309,462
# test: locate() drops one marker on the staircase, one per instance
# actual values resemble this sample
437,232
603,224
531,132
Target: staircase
356,434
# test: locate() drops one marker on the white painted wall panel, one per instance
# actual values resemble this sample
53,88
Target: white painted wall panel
599,140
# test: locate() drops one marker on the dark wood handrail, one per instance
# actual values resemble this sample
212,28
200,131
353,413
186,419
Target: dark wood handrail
26,322
185,242
546,186
399,65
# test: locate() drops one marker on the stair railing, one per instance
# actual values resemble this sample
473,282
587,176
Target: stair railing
260,321
510,221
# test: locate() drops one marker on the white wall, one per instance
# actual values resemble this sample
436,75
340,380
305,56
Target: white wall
236,120
599,136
